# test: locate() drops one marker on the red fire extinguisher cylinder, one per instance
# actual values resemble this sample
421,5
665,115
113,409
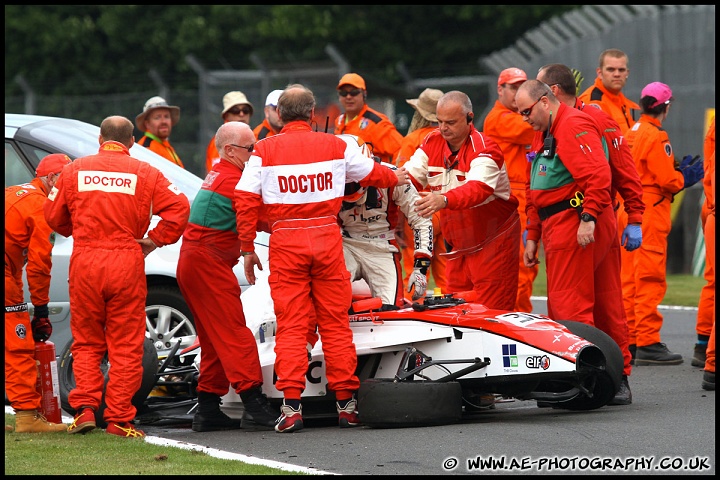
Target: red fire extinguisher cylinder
48,384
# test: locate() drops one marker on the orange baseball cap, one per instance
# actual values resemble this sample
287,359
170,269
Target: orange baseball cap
352,79
511,75
53,163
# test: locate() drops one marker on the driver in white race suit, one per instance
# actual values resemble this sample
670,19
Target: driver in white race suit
368,219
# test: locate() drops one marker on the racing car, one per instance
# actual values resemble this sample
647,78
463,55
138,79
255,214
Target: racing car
432,362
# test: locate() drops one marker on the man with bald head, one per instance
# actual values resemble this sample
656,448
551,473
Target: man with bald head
625,181
209,251
569,207
469,185
106,202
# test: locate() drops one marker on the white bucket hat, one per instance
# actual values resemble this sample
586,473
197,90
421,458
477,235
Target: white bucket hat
235,98
426,103
152,104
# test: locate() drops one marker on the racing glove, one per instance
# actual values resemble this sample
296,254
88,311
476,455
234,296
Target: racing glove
40,325
692,170
418,278
631,237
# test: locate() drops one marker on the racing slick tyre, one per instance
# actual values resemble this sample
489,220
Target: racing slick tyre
67,380
384,403
605,382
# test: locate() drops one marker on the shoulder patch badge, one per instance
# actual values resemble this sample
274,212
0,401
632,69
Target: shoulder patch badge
668,149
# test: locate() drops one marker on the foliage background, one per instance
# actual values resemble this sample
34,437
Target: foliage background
74,49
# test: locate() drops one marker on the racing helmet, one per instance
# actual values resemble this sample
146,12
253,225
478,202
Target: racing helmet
353,192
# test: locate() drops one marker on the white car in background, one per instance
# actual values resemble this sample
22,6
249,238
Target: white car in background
28,139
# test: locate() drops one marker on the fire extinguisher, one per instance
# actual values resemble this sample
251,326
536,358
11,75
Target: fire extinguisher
48,384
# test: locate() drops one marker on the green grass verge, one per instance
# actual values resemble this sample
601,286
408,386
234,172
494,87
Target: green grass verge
97,453
682,290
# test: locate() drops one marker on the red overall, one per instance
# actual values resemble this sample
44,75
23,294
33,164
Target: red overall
583,283
300,178
105,201
480,222
209,251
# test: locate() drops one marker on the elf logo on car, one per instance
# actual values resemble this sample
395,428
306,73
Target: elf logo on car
538,362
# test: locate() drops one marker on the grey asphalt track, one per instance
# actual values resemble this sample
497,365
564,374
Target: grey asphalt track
669,429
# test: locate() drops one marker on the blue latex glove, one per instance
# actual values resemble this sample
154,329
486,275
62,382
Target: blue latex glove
692,172
687,160
524,238
631,237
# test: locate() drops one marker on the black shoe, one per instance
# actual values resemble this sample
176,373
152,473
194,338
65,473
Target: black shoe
209,417
698,359
633,349
211,422
656,354
708,381
258,412
623,395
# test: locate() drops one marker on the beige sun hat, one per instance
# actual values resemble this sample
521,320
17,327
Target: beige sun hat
235,98
152,104
426,103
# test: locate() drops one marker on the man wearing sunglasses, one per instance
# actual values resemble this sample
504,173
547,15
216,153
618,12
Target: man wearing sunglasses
567,162
209,251
626,182
236,108
359,119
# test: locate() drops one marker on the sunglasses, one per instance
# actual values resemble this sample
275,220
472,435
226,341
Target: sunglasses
238,111
526,113
352,93
249,148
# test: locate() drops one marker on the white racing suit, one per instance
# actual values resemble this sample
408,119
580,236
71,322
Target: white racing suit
371,250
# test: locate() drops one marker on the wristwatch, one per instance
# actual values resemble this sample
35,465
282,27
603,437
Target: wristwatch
586,217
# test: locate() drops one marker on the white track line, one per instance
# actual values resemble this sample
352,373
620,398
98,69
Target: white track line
214,452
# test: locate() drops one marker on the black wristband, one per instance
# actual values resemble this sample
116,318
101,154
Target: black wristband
41,311
422,264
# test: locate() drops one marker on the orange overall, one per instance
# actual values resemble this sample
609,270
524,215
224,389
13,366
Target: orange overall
706,306
618,106
374,128
27,241
514,136
709,181
644,270
161,147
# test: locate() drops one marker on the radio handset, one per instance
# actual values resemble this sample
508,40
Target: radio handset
549,144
